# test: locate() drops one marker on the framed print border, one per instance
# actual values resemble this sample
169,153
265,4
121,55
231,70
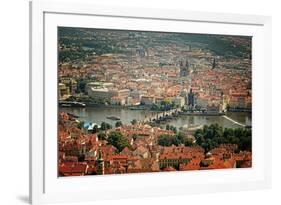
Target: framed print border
45,187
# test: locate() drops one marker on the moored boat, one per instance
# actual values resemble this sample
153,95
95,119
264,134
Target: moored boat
113,118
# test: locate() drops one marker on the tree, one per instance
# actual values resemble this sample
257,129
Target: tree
174,129
82,85
95,129
155,106
245,143
105,126
188,142
116,139
179,138
134,122
168,140
165,140
211,136
171,127
166,104
102,136
118,124
167,127
81,124
233,140
135,136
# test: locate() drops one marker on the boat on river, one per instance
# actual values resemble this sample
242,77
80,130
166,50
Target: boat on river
113,118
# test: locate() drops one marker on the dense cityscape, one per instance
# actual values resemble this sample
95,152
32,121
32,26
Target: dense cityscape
132,102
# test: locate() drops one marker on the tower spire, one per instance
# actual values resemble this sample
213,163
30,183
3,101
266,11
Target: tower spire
214,64
100,170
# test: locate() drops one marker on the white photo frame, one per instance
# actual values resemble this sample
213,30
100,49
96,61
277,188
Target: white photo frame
46,187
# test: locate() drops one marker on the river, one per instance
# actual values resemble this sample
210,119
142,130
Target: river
98,115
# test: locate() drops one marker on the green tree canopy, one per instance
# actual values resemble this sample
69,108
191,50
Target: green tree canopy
177,139
165,140
212,136
102,136
116,139
80,125
188,142
95,129
171,127
105,126
134,122
118,124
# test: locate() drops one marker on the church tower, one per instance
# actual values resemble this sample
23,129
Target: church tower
214,64
191,99
100,169
187,64
184,69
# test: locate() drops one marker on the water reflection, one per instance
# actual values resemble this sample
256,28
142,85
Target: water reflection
98,115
